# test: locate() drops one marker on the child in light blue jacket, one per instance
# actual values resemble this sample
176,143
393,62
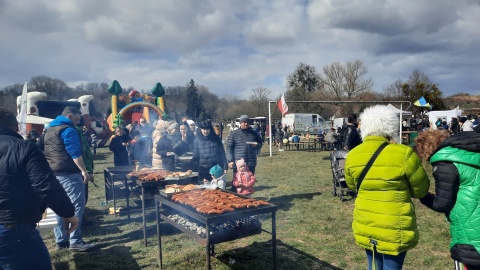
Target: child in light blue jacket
218,177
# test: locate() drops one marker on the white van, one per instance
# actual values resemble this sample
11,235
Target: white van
252,121
301,122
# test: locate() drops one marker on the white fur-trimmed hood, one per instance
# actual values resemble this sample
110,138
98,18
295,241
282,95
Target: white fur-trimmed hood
379,120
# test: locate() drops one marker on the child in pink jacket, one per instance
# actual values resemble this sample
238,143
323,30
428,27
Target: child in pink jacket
244,179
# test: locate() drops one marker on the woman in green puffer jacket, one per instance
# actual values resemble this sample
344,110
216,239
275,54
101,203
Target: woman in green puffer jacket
456,169
384,221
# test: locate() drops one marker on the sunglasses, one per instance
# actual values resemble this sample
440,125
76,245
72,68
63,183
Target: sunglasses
143,122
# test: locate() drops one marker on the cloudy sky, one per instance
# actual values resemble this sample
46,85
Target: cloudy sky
234,46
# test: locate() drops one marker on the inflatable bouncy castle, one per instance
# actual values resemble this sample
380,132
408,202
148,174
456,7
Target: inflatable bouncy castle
40,112
129,109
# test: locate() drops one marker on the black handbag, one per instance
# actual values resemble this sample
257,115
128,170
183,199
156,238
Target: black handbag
369,164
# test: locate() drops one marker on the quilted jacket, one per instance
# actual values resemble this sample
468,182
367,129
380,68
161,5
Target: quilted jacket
384,214
456,169
238,148
27,184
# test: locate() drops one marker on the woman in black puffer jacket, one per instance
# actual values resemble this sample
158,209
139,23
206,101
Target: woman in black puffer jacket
208,151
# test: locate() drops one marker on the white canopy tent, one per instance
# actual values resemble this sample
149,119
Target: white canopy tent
398,110
434,115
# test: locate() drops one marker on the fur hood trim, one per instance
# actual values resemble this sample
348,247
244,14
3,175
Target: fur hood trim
379,120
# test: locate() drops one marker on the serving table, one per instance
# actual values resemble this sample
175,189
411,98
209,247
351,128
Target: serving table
210,233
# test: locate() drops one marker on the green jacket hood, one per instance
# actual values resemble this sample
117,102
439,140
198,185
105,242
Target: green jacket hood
463,147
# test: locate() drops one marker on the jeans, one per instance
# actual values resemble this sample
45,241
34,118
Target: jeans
75,188
386,262
22,247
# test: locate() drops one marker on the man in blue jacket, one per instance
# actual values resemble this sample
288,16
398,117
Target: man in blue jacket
63,150
28,185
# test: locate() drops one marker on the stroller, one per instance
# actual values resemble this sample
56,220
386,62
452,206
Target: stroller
340,188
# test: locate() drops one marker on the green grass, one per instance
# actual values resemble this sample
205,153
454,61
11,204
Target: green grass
313,227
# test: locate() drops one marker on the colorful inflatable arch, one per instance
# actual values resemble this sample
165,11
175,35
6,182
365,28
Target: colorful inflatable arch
138,102
125,112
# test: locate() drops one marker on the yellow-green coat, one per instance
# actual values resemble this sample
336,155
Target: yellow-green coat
384,211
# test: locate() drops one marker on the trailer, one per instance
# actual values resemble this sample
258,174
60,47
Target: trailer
302,122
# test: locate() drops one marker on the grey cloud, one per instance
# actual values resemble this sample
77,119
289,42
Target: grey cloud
234,46
404,45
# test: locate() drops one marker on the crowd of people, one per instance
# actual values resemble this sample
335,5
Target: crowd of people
453,125
55,168
163,145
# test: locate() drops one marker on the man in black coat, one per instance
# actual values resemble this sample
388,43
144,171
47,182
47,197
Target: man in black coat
351,137
28,186
243,143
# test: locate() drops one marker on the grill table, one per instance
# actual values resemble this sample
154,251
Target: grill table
165,203
117,185
191,179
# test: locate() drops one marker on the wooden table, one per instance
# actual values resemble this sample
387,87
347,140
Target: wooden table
304,144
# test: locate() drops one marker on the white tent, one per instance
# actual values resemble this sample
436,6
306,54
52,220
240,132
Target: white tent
33,119
398,110
434,115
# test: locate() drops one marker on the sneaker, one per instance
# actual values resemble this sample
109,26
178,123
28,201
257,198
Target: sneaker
81,246
63,245
281,150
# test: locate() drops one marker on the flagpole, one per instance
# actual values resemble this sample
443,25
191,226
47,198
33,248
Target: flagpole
270,127
401,124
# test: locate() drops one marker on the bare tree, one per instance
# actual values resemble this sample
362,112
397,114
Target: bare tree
355,81
244,107
92,87
222,108
394,91
210,102
259,99
333,79
54,88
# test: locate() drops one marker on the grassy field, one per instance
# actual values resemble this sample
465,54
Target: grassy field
313,227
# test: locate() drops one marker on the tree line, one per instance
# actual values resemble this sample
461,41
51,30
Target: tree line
337,82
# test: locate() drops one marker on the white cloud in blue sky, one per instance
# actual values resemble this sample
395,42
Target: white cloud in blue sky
232,47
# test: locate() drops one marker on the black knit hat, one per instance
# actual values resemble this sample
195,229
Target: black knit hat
205,124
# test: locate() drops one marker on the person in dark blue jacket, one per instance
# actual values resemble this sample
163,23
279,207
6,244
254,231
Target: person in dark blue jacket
118,146
243,143
165,150
28,185
208,151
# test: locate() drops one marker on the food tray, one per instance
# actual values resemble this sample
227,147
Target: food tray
134,178
194,174
169,195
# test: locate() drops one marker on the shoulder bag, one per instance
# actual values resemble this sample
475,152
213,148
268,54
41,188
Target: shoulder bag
369,164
